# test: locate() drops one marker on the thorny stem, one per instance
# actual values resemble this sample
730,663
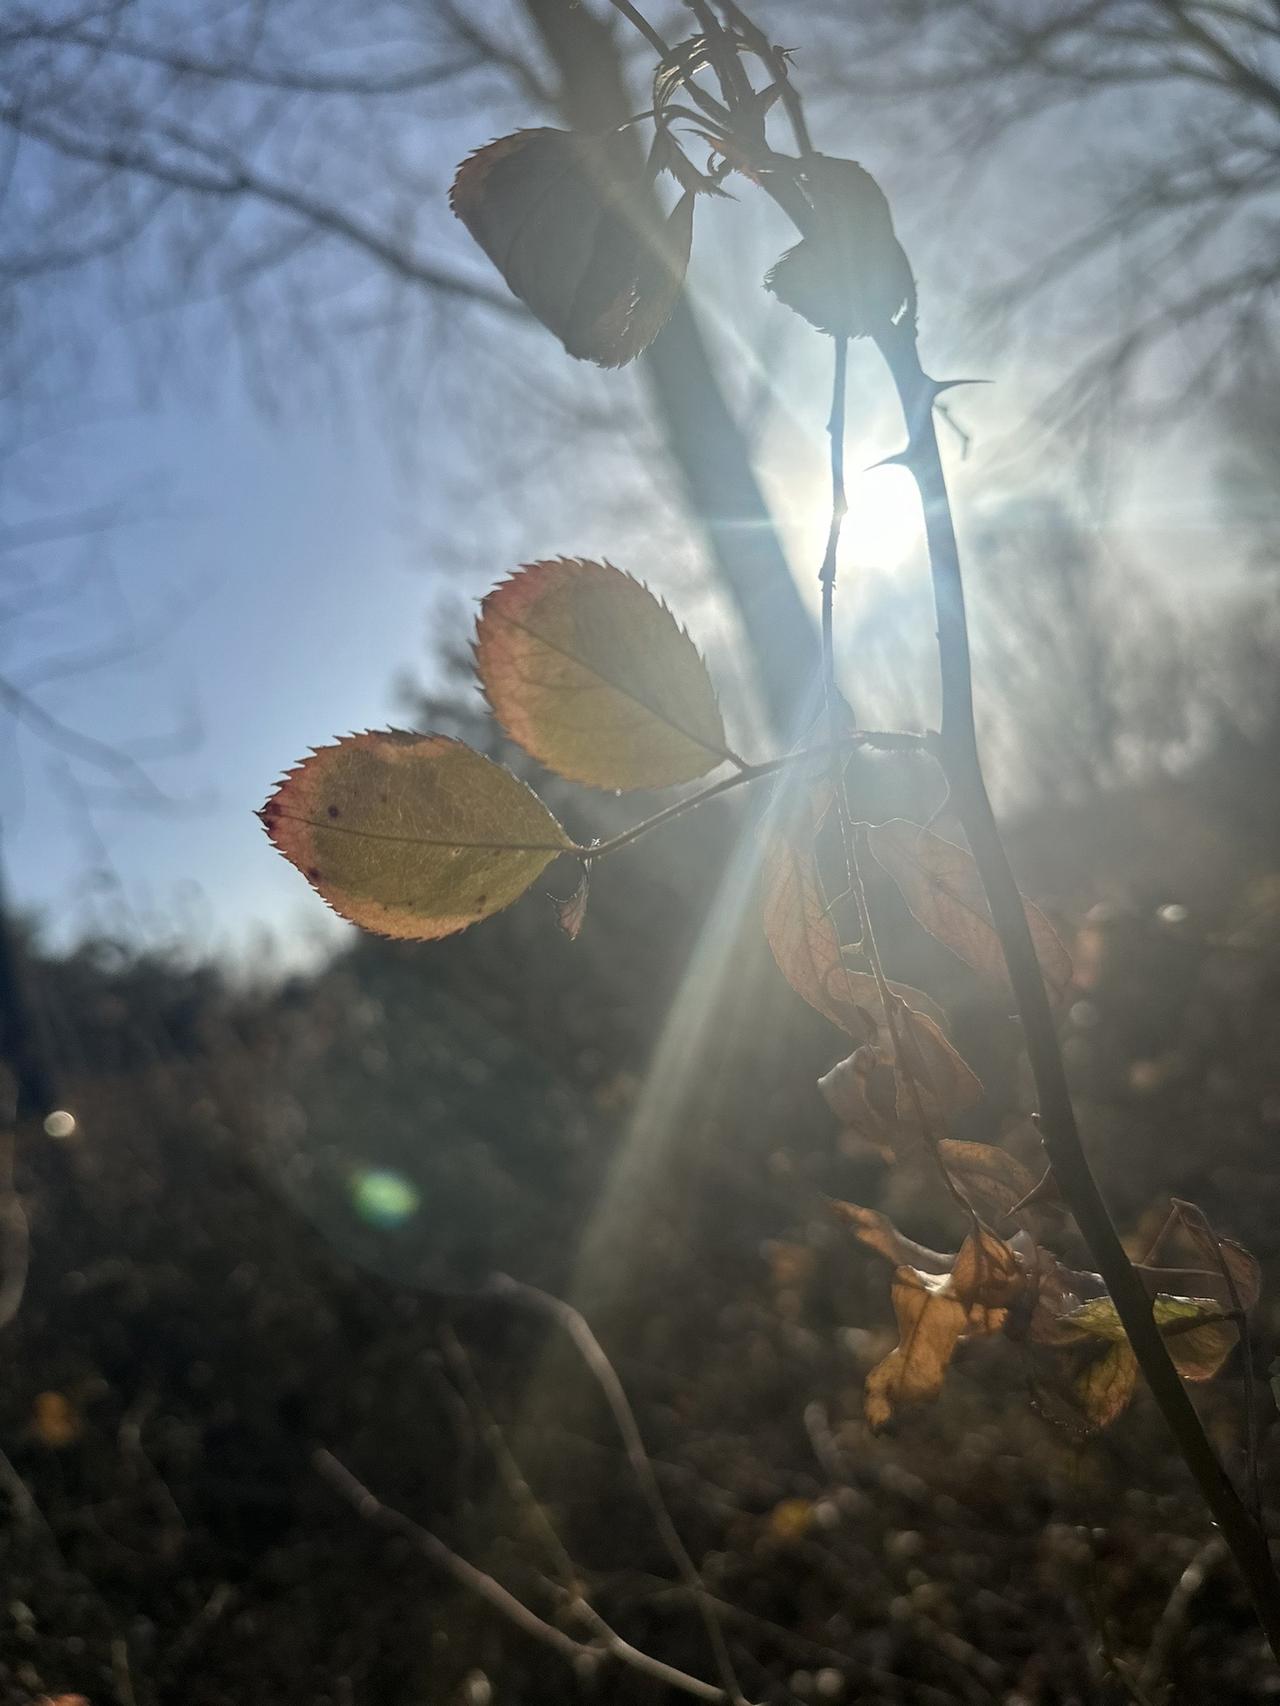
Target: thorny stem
958,751
893,1009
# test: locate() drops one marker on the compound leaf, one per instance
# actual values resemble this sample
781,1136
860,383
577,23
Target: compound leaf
593,676
411,835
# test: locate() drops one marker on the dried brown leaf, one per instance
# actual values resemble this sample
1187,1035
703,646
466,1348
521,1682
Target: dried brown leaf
991,1179
878,1233
849,276
1241,1274
798,922
926,1066
941,886
935,1311
569,220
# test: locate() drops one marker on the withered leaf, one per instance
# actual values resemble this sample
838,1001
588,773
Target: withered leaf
798,922
1198,1336
878,1233
570,221
1238,1268
411,835
849,276
935,1311
991,1179
932,1078
861,1093
571,913
941,886
592,675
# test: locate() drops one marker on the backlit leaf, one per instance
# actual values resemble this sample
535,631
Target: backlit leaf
935,1311
941,886
1199,1340
932,1077
592,675
411,835
570,221
991,1179
1104,1384
1238,1268
571,913
878,1233
798,922
861,1093
849,276
1194,1328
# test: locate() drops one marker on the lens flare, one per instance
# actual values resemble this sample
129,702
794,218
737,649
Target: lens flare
383,1197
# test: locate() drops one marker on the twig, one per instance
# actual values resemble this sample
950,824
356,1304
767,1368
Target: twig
445,1558
15,1236
125,1692
513,1476
1176,1608
602,1371
609,1643
1185,1211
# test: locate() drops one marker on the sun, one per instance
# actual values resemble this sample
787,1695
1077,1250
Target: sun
884,525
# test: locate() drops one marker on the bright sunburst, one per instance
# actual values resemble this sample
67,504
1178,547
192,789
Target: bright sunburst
884,524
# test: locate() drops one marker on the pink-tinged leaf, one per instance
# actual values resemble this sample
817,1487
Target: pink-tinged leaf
592,675
571,913
409,835
569,220
941,886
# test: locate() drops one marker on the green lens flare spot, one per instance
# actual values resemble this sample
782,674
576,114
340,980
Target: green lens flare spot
383,1197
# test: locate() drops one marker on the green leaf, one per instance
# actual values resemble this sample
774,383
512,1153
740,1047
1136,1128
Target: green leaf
941,886
1197,1333
409,835
592,675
